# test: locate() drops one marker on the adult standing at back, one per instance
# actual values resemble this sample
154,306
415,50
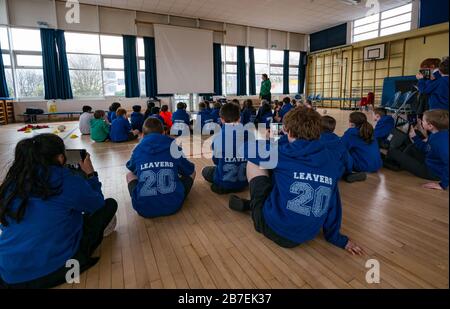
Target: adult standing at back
266,87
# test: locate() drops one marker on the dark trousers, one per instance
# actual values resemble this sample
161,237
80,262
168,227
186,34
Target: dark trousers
412,160
267,97
260,189
93,227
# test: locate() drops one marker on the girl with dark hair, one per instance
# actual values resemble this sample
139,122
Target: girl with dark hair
265,114
361,144
112,111
266,86
49,214
248,113
148,112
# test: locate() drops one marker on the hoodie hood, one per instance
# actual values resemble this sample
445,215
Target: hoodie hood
154,143
309,153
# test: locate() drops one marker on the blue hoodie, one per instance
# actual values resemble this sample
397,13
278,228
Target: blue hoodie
111,116
248,115
436,154
266,118
305,196
230,172
157,116
137,121
384,127
215,114
437,90
181,116
366,157
120,128
205,117
50,232
284,110
335,145
159,191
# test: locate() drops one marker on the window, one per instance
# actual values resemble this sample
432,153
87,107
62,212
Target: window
385,23
141,65
83,56
28,74
276,70
261,66
229,54
6,56
111,48
294,61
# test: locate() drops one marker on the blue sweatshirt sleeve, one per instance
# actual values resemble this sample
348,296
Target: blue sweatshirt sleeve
185,167
420,144
89,197
332,225
442,152
427,86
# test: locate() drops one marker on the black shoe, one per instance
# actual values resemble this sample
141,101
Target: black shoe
354,177
238,204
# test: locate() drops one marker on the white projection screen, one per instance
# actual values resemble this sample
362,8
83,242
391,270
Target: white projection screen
184,60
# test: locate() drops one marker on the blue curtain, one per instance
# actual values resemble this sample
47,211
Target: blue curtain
151,86
63,82
286,72
251,72
241,71
433,12
217,58
50,63
4,93
55,67
302,72
130,65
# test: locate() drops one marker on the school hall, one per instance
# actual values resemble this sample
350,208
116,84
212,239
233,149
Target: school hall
127,131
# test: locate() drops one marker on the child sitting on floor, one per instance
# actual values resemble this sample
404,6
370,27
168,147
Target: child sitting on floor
360,142
158,183
99,127
301,196
112,111
383,128
137,118
85,120
427,158
228,174
121,128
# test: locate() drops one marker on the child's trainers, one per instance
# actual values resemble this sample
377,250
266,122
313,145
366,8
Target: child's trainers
110,228
238,204
354,177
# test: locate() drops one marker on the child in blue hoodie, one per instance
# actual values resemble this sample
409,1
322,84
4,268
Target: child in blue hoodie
121,128
228,174
248,113
436,88
361,144
49,214
264,115
137,118
206,120
383,128
160,180
334,144
215,112
287,106
429,158
112,111
301,197
181,120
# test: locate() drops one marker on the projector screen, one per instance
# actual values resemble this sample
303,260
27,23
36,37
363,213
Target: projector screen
184,60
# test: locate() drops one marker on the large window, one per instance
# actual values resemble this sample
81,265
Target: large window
261,66
6,55
141,65
276,70
111,48
294,60
229,80
83,55
27,53
384,23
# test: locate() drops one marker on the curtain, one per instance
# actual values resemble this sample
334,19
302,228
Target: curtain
4,93
302,72
217,58
55,66
241,71
251,72
130,65
151,86
50,63
286,72
63,82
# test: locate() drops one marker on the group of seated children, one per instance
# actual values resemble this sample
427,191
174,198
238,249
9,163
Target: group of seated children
435,86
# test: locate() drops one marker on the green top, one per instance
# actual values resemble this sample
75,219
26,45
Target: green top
266,85
99,130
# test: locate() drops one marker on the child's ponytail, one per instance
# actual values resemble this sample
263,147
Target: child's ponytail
365,128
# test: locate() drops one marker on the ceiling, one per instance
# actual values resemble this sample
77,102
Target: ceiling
302,16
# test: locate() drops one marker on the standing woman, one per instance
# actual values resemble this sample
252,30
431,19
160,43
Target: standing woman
49,214
266,87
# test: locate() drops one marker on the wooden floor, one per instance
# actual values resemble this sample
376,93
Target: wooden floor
206,245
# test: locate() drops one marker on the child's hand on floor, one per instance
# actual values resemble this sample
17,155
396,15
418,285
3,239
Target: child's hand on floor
354,248
432,186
